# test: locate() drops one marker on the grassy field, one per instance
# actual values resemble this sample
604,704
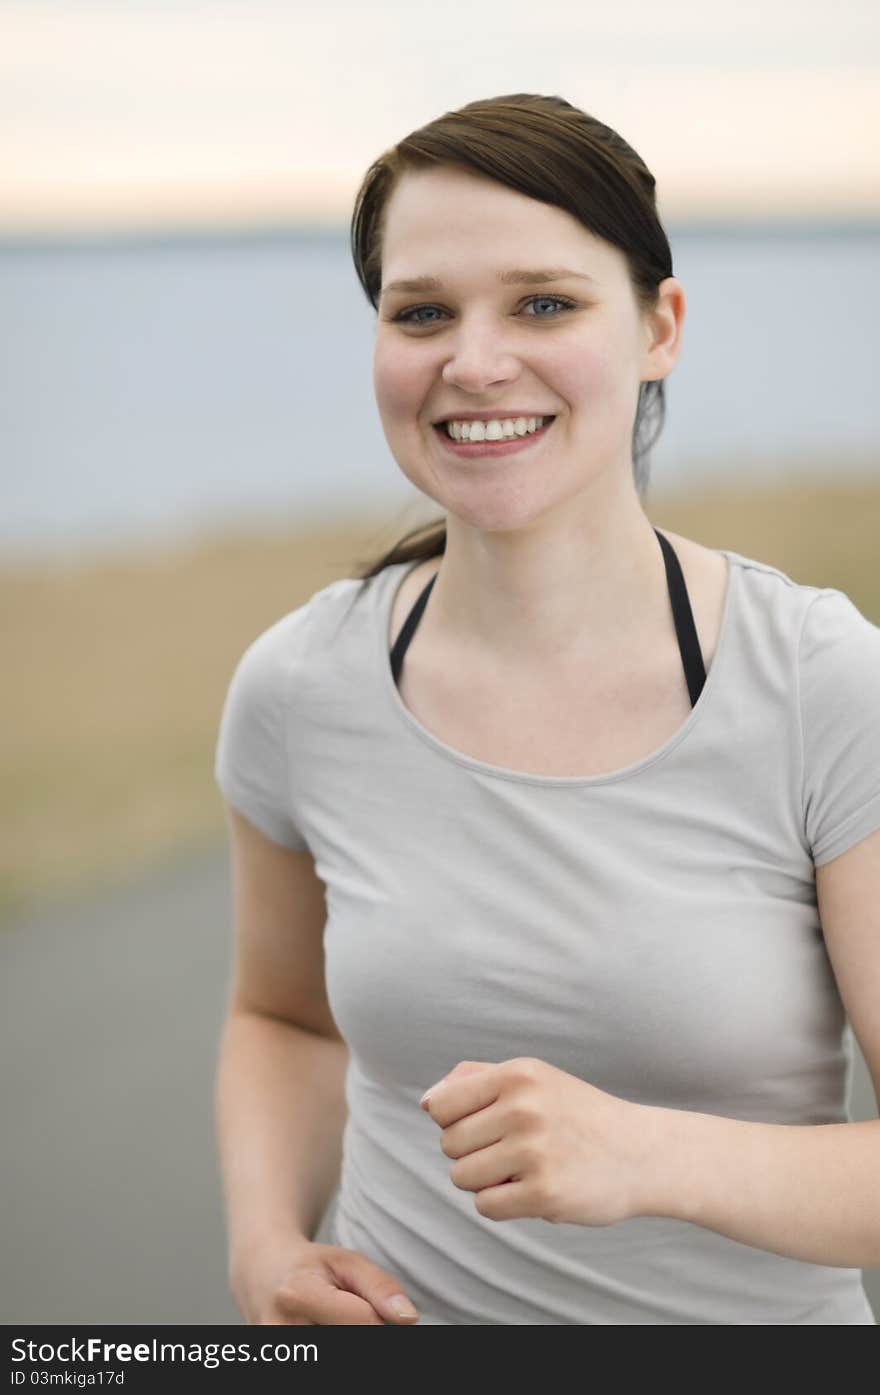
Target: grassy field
116,670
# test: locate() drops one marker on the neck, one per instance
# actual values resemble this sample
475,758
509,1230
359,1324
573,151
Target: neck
546,595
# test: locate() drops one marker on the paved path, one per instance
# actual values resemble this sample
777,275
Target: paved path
112,1011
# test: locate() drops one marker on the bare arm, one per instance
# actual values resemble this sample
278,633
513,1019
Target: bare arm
280,1115
279,1097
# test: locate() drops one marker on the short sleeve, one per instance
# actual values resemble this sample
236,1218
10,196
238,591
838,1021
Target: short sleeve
252,764
839,679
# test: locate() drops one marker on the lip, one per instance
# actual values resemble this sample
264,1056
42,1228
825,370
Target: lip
510,446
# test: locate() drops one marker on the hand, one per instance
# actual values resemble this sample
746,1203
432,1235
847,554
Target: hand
532,1140
305,1284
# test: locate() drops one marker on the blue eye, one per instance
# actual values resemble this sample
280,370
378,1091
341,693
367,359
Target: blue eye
559,300
408,316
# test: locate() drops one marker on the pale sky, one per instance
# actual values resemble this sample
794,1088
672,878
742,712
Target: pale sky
163,113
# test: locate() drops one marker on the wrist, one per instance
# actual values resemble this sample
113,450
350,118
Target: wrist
262,1246
665,1186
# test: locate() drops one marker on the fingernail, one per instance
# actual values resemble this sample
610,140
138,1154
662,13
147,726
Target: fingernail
432,1087
402,1306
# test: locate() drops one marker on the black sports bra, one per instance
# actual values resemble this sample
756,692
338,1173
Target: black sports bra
685,629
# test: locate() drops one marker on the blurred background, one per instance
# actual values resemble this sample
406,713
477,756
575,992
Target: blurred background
180,324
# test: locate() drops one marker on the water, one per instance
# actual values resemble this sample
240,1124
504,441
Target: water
150,388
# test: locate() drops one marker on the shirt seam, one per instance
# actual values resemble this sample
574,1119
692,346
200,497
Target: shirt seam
843,829
824,591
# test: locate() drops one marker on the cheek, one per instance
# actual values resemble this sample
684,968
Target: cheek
584,376
399,380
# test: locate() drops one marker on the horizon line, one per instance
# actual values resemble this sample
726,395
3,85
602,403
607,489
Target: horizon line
277,231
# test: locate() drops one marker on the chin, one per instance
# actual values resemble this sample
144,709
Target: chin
499,515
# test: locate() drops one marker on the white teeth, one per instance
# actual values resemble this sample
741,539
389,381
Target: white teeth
498,429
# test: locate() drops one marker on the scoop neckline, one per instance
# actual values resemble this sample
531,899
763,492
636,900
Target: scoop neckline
501,772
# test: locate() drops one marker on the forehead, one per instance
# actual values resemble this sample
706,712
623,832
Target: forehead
449,223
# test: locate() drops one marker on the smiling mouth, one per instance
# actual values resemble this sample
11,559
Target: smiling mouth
501,446
443,427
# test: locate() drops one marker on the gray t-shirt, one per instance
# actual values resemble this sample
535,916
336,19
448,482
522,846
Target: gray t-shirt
653,931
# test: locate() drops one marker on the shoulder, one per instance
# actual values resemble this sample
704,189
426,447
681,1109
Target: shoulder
838,677
770,599
301,634
839,652
280,686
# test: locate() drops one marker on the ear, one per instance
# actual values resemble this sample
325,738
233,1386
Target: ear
663,327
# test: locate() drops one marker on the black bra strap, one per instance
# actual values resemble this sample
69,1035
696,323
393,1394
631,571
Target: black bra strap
685,629
401,644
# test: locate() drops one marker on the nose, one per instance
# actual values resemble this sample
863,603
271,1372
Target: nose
479,358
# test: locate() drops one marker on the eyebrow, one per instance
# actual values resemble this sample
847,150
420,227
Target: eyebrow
520,276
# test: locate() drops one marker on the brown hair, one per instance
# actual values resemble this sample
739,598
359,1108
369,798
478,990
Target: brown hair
553,152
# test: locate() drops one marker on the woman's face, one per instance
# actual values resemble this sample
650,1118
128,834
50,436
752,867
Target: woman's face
574,347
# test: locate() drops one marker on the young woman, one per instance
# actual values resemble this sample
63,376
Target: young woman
599,862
